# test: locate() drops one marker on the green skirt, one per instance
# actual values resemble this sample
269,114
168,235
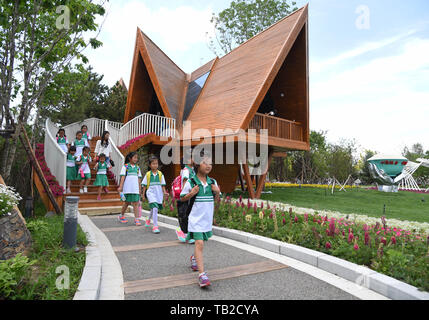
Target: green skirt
199,235
132,197
155,205
87,176
101,180
71,174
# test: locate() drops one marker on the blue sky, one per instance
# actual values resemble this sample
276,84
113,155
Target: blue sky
371,83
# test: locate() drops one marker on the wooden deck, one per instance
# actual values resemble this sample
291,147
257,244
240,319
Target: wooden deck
277,127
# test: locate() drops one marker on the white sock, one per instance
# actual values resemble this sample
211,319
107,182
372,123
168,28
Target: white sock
155,217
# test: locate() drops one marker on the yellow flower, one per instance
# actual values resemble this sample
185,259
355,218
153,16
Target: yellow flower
261,215
249,218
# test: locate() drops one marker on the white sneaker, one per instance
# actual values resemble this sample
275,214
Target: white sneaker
81,190
85,189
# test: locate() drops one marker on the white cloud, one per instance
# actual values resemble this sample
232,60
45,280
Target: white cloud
383,103
318,66
175,30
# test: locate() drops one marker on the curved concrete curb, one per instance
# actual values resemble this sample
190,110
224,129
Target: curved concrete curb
89,286
380,283
102,278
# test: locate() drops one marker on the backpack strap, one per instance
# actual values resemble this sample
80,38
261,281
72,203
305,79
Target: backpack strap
148,178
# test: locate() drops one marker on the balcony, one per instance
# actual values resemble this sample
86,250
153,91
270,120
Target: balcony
278,127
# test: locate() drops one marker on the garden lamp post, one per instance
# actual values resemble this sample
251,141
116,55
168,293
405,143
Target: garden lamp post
70,222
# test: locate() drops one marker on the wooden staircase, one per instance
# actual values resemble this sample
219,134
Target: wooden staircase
110,203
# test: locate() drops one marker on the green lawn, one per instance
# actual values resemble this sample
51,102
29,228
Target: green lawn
402,205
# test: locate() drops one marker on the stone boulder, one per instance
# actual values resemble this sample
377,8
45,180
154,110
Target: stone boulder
14,236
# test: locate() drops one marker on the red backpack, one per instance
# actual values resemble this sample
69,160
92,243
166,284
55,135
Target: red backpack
176,187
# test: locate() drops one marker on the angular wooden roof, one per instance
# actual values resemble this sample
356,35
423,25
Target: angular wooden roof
239,81
236,85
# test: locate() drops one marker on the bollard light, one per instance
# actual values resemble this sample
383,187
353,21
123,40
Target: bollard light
28,207
70,222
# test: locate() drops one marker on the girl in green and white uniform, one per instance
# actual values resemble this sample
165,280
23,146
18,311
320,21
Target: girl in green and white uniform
101,179
84,161
71,168
79,143
85,134
155,183
200,220
63,141
129,187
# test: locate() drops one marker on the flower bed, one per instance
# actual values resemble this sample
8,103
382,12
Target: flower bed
127,144
55,187
295,185
401,254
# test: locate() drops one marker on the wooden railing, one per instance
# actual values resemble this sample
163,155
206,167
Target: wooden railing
277,127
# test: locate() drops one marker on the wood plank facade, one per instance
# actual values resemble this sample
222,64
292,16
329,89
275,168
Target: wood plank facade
261,85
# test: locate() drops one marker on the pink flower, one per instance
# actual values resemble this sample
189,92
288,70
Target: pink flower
350,238
328,245
306,217
332,228
393,239
271,216
383,240
241,199
356,247
284,221
296,219
367,238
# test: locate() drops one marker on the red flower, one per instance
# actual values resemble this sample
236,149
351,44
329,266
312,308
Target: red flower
383,240
296,219
367,238
356,247
284,221
328,245
393,239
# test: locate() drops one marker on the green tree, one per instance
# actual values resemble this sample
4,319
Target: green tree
341,162
113,106
38,39
245,19
363,168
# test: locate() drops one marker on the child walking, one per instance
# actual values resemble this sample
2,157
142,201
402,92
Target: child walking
101,180
155,183
84,172
85,134
79,143
200,223
186,173
62,140
130,187
71,167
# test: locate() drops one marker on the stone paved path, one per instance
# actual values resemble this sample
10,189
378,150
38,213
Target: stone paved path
157,266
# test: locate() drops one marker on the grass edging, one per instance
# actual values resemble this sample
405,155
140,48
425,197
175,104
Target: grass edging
89,285
361,275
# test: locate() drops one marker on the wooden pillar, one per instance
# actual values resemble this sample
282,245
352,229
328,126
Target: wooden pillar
240,177
248,181
262,178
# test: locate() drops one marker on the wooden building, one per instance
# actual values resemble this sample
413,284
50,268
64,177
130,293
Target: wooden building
262,84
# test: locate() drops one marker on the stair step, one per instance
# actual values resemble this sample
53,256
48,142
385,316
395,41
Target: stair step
93,195
100,203
111,188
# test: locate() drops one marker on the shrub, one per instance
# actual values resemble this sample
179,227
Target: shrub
12,274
